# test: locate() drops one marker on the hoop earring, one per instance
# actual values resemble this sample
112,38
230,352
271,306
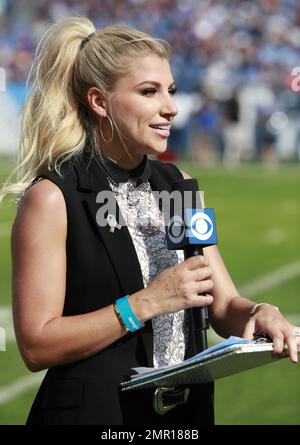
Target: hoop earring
112,130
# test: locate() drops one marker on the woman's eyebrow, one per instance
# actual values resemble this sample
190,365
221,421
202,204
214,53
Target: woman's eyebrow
154,82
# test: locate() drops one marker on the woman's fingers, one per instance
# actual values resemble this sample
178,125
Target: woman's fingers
296,334
278,344
195,262
292,347
202,287
201,300
249,330
201,273
285,345
207,299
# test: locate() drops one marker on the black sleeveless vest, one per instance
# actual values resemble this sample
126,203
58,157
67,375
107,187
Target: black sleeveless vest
101,267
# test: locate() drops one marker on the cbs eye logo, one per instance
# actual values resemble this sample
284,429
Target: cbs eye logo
176,229
201,226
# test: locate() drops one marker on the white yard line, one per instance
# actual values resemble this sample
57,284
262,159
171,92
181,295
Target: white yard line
271,280
255,287
19,386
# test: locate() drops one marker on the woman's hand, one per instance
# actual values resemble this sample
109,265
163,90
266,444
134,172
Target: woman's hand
174,289
269,320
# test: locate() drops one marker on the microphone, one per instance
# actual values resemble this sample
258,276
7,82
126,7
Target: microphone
191,228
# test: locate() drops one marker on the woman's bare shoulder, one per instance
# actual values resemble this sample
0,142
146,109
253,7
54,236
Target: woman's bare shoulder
43,194
42,203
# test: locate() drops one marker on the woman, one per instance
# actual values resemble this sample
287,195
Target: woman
100,102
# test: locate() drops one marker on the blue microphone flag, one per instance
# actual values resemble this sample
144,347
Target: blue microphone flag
197,228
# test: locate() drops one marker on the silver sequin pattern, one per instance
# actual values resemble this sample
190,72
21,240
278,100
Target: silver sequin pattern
147,229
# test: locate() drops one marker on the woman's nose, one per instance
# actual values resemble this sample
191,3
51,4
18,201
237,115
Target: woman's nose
169,107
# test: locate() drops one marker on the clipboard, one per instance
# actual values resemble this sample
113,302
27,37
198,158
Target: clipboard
230,357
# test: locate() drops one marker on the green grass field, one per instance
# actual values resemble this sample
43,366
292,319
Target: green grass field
258,221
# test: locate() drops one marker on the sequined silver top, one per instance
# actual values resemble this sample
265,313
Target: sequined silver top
147,229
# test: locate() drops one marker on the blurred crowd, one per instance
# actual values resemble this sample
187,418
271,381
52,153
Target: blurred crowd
235,65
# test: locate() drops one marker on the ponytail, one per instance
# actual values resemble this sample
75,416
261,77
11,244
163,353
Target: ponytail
51,129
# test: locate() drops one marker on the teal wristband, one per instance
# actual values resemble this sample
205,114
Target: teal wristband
127,314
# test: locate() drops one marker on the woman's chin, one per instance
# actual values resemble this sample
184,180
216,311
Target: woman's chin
158,149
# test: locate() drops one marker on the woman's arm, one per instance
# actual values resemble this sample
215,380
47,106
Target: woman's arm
45,338
229,312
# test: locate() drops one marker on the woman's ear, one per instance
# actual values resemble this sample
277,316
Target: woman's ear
97,101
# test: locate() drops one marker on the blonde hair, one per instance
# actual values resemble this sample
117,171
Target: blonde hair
56,119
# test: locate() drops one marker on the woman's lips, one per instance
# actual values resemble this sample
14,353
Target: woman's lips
164,133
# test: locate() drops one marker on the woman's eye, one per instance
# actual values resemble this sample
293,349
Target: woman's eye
153,91
149,92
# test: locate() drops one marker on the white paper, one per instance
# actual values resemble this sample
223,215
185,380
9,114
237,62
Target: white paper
227,345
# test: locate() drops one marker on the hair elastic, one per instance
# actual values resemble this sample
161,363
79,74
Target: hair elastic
86,39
